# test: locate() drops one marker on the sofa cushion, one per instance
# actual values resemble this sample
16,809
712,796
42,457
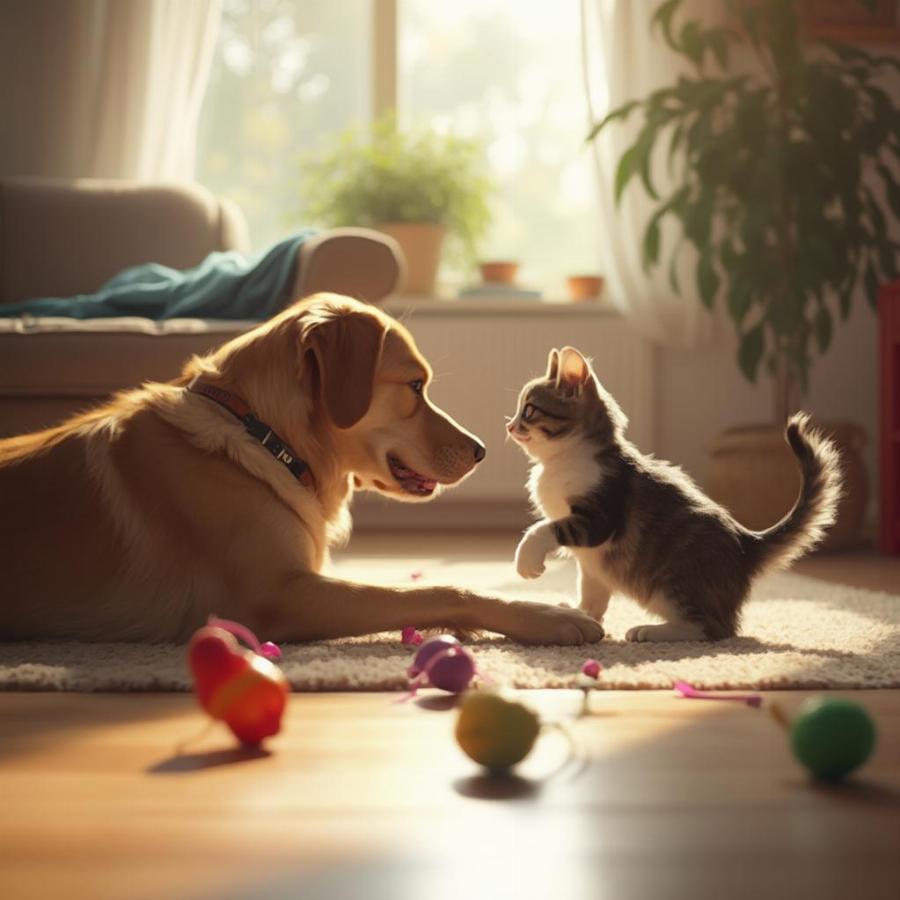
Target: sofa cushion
94,357
59,238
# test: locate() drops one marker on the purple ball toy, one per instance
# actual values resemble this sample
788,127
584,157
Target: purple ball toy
445,663
428,650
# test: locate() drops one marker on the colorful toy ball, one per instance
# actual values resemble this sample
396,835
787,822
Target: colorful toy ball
237,686
430,649
591,668
832,736
495,732
443,663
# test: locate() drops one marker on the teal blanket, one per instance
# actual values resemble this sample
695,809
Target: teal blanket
223,286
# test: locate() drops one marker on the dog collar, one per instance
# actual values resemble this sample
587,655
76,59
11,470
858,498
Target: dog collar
278,447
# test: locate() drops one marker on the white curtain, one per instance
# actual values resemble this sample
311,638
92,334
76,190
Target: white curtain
105,88
625,60
155,57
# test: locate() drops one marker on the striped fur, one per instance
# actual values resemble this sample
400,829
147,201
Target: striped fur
642,527
805,525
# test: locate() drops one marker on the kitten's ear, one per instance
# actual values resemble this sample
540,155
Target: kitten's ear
574,371
552,365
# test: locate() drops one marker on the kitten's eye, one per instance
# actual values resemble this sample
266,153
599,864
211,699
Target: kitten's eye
418,386
528,413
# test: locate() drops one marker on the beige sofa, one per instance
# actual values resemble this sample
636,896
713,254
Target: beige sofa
59,238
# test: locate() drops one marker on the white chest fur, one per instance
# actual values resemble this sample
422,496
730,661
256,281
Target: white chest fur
553,483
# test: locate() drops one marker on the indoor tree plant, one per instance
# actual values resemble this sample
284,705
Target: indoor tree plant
414,184
783,183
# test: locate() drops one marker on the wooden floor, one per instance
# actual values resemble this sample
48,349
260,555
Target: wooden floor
364,797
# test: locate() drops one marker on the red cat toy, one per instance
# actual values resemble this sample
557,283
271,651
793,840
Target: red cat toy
236,685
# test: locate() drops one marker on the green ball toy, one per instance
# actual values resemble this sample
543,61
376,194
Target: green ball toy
495,732
832,736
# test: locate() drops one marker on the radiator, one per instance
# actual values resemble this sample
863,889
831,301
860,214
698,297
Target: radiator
480,362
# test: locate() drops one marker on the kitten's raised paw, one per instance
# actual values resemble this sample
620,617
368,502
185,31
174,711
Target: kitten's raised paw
529,568
533,550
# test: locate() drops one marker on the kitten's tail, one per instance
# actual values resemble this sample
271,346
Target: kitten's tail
805,525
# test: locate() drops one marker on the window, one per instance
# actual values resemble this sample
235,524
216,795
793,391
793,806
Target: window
287,74
510,74
290,73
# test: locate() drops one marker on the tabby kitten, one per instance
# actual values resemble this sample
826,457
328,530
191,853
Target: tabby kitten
639,526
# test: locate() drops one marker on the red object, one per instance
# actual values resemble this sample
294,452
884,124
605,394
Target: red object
592,668
237,686
889,329
409,635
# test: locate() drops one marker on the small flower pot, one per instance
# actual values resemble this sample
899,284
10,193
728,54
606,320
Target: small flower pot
756,477
585,287
421,244
496,272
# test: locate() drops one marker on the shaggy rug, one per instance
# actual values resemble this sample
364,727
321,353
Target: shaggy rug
797,633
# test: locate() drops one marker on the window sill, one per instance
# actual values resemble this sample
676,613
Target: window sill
401,305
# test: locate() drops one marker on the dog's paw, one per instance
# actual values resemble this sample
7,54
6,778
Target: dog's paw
532,551
541,623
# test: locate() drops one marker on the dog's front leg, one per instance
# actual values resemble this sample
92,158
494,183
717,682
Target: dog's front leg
313,607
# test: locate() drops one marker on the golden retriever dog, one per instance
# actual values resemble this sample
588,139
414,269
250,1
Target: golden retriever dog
222,491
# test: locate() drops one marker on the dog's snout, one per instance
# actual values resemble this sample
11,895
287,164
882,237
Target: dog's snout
480,451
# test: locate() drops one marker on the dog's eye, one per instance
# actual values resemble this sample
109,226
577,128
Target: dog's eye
418,385
528,413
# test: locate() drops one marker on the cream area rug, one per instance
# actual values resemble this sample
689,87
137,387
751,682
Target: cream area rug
797,633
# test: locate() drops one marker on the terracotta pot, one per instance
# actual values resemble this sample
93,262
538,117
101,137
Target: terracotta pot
754,475
421,243
496,272
585,287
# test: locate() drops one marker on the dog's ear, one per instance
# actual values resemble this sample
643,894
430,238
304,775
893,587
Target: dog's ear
552,365
346,348
573,370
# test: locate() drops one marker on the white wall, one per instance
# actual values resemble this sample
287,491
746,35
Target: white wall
44,93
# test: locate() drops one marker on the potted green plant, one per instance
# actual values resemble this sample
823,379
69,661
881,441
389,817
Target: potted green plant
416,185
783,185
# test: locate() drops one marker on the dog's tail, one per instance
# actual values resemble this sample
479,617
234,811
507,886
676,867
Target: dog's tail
805,525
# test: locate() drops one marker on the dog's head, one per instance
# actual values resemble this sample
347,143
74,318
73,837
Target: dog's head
369,385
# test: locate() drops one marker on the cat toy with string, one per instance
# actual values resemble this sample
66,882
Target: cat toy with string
587,680
498,732
238,685
440,662
831,737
